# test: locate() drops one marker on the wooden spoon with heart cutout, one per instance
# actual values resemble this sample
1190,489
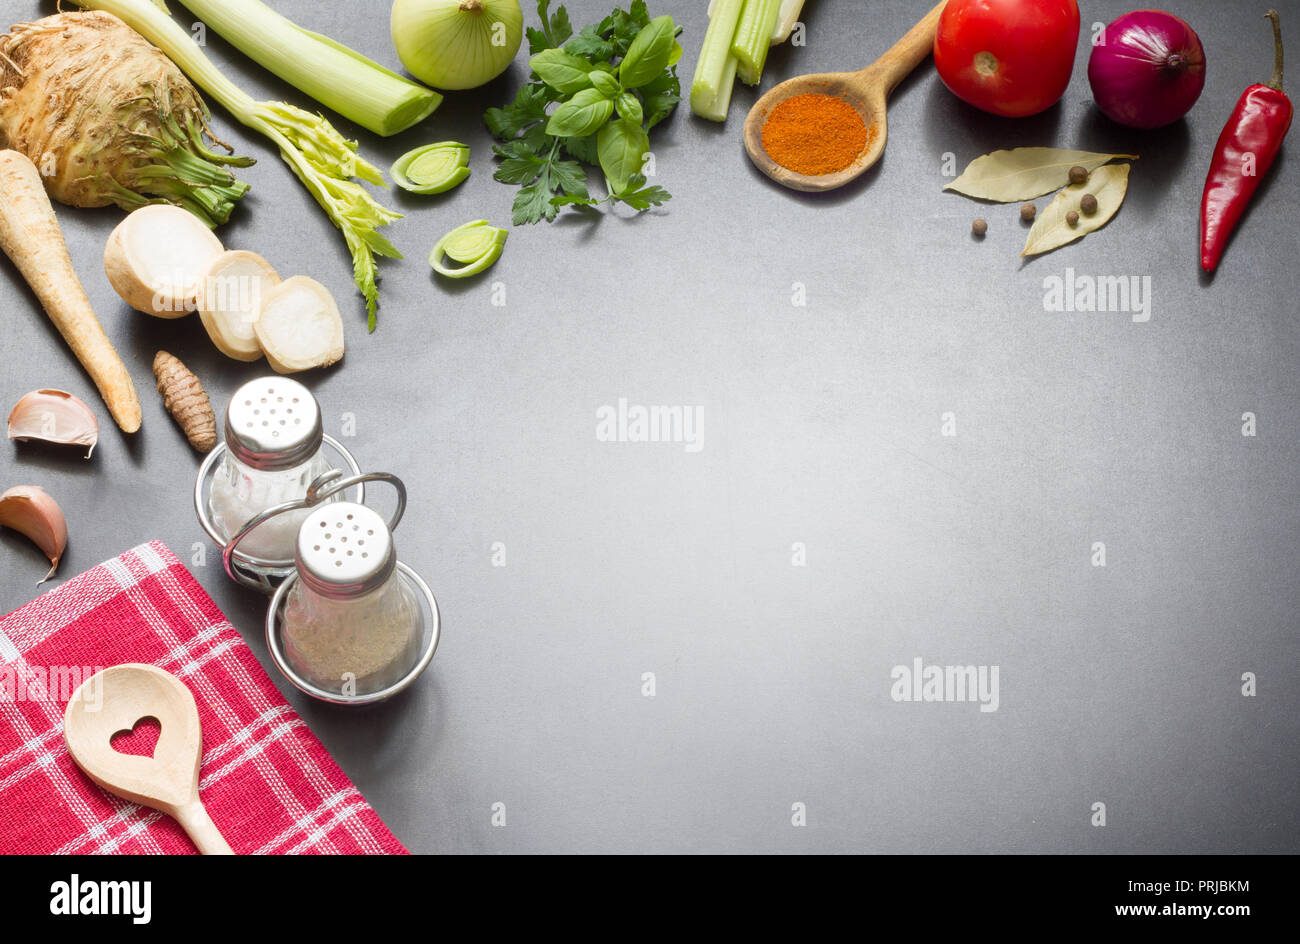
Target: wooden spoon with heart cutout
866,90
116,700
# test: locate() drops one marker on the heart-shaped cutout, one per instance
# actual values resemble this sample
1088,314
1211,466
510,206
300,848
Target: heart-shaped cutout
140,741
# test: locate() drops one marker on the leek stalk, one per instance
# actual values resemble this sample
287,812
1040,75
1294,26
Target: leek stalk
339,78
753,38
322,159
715,73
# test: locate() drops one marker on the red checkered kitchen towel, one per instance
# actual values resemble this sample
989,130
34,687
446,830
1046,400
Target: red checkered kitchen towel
268,784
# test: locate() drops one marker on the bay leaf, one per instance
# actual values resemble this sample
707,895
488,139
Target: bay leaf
1108,183
1024,173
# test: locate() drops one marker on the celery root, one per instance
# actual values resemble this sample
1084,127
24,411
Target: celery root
155,260
110,119
30,236
299,326
231,300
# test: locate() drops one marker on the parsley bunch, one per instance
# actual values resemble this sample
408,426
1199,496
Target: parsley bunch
611,83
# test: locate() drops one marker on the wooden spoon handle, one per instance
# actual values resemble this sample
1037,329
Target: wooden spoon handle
906,54
196,821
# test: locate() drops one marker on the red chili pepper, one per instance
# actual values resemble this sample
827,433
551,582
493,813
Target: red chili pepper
1247,146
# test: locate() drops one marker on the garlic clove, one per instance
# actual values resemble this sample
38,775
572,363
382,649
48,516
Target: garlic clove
30,511
54,416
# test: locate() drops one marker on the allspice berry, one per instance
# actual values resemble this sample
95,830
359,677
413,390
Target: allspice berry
1088,204
980,227
1078,174
1027,212
1072,218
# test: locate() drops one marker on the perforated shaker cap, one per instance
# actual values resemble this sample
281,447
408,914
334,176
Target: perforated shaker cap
344,550
273,423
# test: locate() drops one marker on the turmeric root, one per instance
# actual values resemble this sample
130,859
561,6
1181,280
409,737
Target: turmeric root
186,401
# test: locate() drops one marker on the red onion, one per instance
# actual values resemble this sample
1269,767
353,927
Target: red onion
1147,70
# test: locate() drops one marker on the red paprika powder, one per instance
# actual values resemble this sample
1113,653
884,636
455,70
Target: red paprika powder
814,134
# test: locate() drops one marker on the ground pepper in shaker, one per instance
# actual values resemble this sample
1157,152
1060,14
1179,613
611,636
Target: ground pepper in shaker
352,622
273,439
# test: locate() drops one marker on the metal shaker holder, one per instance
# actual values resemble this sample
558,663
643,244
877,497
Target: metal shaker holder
321,489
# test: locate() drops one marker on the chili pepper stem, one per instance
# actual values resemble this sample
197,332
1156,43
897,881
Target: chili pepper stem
1276,81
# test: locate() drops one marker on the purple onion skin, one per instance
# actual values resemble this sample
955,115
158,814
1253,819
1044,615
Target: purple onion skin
1150,70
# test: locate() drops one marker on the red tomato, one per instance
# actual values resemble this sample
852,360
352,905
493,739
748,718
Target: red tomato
1010,57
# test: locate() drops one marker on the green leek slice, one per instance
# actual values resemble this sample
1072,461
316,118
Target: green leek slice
475,245
433,168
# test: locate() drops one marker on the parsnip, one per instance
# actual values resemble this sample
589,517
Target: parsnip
299,326
30,236
231,299
156,259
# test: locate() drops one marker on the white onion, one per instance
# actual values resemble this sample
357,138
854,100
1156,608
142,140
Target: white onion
457,44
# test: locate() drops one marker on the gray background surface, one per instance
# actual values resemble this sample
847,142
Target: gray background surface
822,426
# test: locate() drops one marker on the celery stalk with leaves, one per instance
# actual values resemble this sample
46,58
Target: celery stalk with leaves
319,156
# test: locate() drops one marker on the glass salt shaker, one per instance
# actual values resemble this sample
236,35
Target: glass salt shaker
273,451
352,625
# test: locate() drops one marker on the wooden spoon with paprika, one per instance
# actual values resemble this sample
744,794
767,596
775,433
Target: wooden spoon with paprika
866,91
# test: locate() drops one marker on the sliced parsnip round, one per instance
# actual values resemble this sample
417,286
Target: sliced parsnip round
299,326
232,292
156,259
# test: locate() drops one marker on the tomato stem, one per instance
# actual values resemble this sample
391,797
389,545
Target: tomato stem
986,63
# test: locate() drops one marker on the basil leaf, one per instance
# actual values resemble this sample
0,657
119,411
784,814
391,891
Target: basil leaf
564,73
649,53
605,83
660,97
622,146
580,115
629,107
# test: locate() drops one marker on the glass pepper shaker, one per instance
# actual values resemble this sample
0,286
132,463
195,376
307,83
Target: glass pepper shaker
273,451
354,624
